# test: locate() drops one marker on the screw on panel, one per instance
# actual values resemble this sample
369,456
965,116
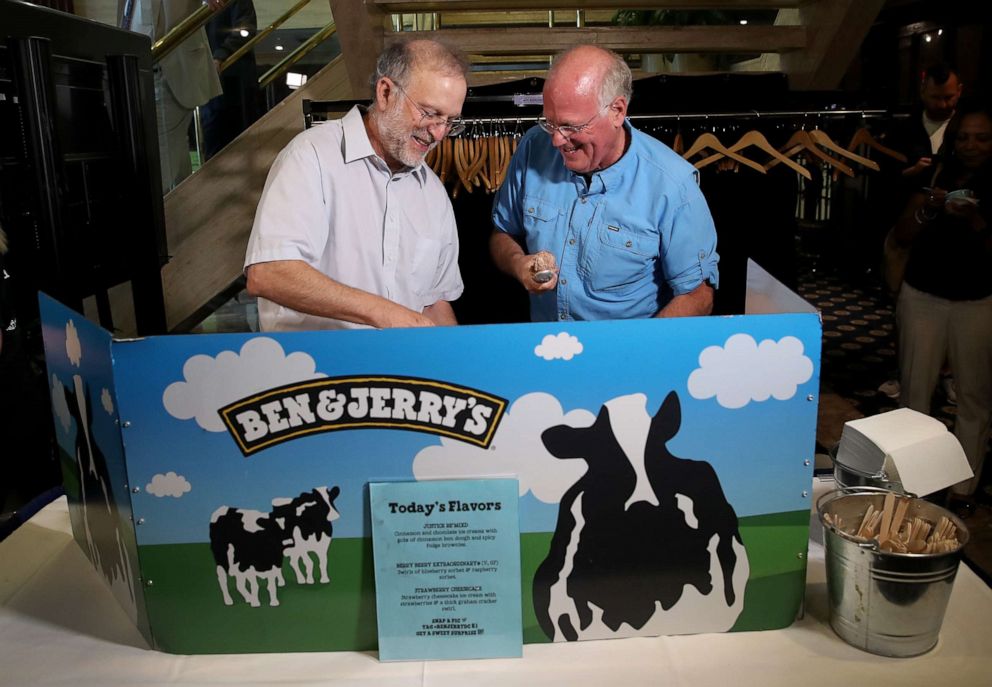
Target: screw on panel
806,462
135,490
127,423
149,583
799,555
809,397
141,521
805,493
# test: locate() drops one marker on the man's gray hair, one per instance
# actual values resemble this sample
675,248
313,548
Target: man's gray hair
617,79
402,57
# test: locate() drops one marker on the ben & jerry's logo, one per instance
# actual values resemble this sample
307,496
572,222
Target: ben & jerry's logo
324,405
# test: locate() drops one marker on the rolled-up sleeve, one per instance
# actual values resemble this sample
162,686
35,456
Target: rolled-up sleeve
690,256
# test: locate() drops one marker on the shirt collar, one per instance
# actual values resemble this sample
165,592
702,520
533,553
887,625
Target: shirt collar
612,177
357,145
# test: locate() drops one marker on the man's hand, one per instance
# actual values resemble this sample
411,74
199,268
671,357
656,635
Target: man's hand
527,267
509,255
921,165
399,316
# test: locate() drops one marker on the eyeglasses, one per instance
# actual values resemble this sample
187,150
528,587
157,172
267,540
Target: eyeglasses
567,130
454,125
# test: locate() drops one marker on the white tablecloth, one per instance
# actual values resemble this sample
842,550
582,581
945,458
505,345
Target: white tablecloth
59,625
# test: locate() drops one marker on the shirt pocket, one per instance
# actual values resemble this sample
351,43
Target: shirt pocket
622,260
424,260
540,224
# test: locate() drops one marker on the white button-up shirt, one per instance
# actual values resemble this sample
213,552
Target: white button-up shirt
331,202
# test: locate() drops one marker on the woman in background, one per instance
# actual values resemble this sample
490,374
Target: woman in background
944,310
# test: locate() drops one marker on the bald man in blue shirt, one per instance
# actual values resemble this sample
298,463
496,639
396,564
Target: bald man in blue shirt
614,217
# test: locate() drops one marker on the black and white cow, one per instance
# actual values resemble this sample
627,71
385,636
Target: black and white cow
250,546
645,543
101,518
308,520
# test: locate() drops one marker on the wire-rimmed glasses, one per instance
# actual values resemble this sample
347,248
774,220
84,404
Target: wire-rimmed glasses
567,130
428,119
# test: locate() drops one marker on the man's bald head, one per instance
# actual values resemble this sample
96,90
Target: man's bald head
587,70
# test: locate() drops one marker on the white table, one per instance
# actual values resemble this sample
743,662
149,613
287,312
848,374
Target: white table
59,625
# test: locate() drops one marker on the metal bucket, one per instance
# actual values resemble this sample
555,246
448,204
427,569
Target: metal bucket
890,604
848,477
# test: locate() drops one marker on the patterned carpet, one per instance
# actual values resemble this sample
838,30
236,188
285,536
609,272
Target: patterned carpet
859,344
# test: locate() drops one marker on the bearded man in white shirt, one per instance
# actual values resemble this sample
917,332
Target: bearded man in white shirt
353,230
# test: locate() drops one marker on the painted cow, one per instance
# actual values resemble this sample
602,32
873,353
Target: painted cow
645,543
101,518
307,522
248,546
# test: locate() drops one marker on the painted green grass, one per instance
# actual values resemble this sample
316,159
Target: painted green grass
188,614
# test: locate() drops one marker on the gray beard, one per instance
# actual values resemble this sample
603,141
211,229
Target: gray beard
392,126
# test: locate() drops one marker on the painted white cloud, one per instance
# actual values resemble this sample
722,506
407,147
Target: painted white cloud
60,408
107,401
743,370
211,383
564,346
516,451
169,484
73,349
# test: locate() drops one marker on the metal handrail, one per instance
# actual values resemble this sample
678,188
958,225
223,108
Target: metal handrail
295,56
236,55
181,31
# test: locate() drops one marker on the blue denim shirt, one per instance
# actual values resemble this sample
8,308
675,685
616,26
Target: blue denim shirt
636,235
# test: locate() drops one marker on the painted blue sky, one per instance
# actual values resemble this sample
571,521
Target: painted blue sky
758,449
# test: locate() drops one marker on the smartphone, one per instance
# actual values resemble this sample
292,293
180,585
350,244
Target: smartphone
544,276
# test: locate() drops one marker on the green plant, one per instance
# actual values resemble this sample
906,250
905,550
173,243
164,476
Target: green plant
670,17
676,18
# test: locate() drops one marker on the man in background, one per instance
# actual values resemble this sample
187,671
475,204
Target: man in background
920,139
230,113
184,79
940,89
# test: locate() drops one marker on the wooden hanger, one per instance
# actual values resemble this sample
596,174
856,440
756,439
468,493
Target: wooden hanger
461,167
678,145
821,138
447,152
863,137
708,141
757,139
801,141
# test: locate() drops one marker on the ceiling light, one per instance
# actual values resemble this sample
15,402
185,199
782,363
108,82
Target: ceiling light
244,33
295,80
743,22
940,32
280,48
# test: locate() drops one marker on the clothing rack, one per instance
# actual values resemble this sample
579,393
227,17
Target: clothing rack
315,111
771,114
